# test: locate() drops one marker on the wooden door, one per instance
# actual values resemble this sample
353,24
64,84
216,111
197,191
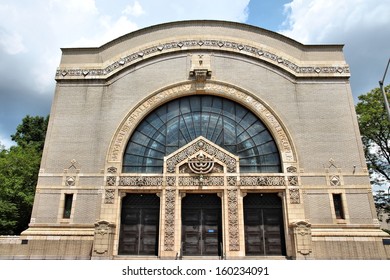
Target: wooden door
139,225
201,225
263,220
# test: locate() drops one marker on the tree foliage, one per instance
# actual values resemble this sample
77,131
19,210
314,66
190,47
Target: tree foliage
375,129
31,131
19,167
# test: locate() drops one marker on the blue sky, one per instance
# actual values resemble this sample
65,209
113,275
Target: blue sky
32,33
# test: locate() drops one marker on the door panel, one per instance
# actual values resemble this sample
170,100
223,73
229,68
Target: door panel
139,225
201,225
263,219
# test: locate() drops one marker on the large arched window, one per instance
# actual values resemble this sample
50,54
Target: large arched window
222,121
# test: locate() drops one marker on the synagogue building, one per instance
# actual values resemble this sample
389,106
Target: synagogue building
202,139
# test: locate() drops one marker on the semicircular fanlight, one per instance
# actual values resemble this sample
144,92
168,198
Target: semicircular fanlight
220,120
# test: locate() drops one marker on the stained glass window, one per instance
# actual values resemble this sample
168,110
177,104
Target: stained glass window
222,121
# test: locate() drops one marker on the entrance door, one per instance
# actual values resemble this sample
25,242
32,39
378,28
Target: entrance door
201,225
263,218
139,225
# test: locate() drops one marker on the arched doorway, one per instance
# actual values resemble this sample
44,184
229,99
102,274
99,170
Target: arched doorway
201,225
263,223
139,229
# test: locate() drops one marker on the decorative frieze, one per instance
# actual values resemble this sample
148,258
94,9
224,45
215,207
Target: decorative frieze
262,181
140,181
249,50
201,181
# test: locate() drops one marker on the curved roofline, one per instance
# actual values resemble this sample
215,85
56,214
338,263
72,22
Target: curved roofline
237,25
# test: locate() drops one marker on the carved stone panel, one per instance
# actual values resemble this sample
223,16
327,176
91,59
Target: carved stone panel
234,236
302,237
103,238
169,232
294,196
200,155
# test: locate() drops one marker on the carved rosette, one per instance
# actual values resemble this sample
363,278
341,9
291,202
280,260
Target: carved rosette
234,237
169,232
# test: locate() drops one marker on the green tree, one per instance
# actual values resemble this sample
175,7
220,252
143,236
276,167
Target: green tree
19,167
375,129
31,131
18,176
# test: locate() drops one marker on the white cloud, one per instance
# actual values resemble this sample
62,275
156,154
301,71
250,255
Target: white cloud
12,43
315,21
32,33
135,10
362,25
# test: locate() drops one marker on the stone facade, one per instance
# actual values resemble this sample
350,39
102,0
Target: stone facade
300,93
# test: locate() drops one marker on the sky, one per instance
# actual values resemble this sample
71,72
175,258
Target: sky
32,33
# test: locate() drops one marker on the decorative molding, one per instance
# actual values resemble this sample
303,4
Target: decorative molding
294,196
291,169
334,180
70,181
262,181
171,181
141,181
293,180
203,145
109,196
127,127
209,44
232,180
233,220
102,238
201,164
111,180
112,170
169,231
302,237
201,180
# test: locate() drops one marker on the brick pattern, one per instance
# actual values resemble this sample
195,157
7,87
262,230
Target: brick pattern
87,207
47,208
359,208
317,208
